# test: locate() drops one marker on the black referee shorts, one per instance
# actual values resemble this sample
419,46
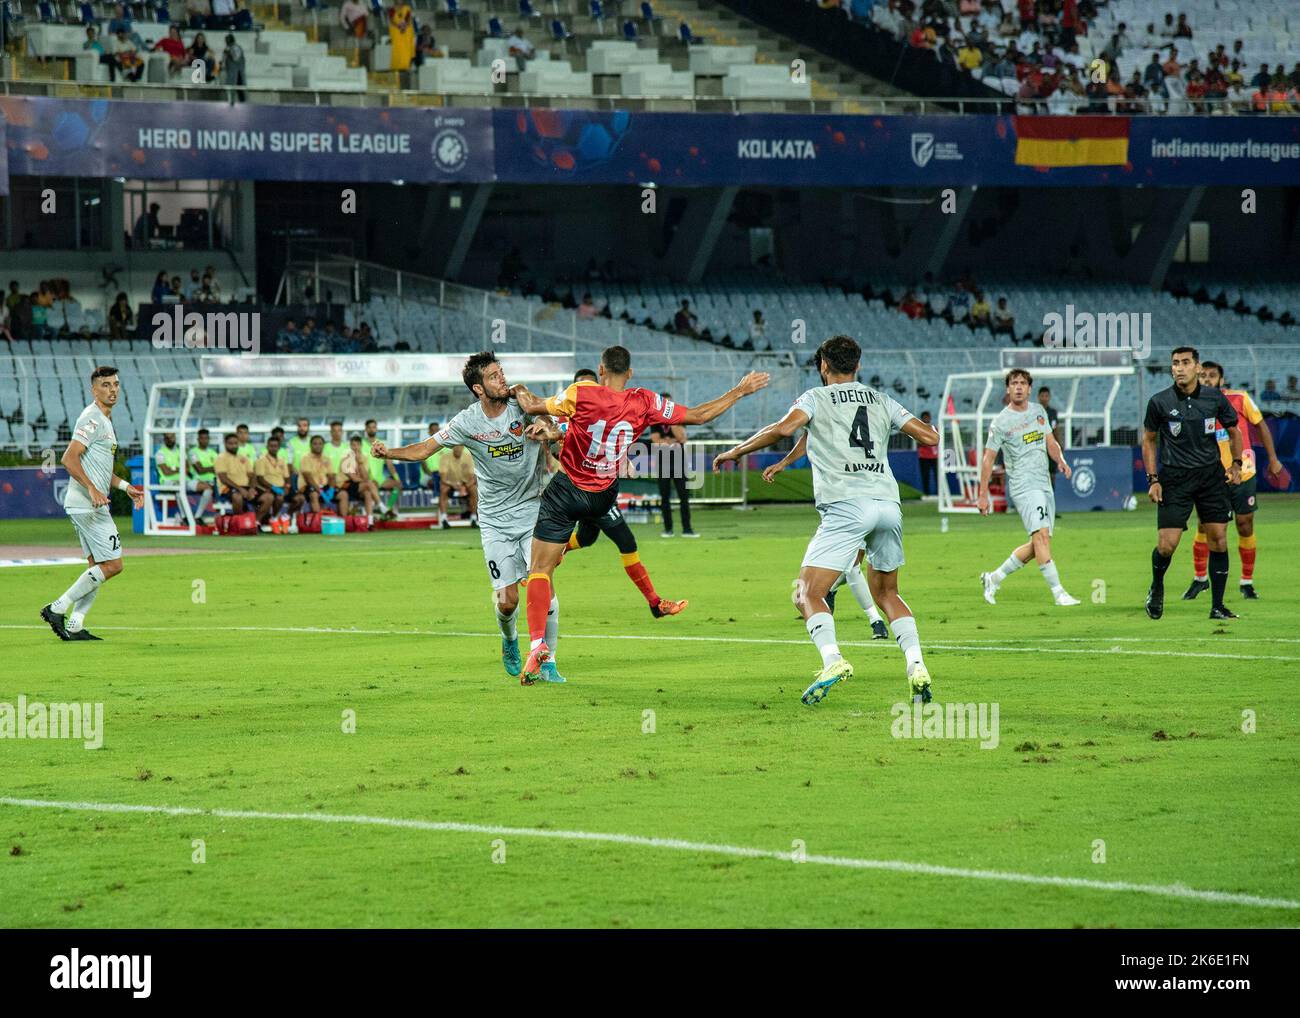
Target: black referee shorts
565,505
1203,488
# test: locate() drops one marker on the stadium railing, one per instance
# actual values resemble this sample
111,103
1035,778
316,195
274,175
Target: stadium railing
867,105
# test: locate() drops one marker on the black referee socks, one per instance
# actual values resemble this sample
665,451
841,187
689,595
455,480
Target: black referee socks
1218,576
1160,563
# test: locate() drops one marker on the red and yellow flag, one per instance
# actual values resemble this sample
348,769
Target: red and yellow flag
1071,141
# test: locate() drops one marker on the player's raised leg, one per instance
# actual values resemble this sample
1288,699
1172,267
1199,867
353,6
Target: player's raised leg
613,524
813,586
992,581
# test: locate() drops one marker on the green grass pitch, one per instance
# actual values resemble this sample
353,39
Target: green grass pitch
226,672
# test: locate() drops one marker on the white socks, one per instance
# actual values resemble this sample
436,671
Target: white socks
205,500
1052,578
821,627
1007,568
77,617
553,625
908,642
508,624
861,592
86,582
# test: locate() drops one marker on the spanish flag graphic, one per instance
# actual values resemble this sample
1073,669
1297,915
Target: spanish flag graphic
1071,141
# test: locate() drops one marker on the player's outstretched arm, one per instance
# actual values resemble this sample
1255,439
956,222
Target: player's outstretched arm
418,452
528,403
770,435
800,448
924,434
706,412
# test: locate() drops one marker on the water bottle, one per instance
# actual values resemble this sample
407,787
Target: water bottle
943,524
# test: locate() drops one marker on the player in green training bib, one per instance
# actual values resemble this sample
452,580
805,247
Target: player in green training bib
1023,434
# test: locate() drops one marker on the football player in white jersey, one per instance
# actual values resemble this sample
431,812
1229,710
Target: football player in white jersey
849,426
511,468
89,460
1023,434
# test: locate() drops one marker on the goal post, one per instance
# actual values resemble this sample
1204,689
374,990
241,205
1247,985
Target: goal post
971,399
403,393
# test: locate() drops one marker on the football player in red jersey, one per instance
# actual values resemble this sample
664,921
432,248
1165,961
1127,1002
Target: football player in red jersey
1250,422
603,419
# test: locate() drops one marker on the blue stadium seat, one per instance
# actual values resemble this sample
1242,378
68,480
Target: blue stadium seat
46,11
684,33
527,10
629,31
494,28
558,32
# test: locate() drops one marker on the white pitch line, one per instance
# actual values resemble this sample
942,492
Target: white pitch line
678,845
1027,648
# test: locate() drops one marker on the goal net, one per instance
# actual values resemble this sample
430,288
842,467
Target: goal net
403,393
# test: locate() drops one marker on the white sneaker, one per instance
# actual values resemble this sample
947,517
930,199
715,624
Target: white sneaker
990,587
689,533
1064,599
667,533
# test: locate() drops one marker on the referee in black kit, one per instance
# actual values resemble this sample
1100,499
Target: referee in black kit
1184,419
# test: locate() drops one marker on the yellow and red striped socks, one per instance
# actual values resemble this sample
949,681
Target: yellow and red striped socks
1246,549
636,572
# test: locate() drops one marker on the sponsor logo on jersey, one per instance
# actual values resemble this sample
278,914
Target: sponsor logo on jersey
1030,437
512,450
669,407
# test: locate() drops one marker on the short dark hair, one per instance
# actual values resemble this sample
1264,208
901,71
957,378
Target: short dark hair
103,371
277,431
228,436
238,426
371,421
203,431
1215,366
582,373
314,438
617,360
354,438
1185,349
1044,389
336,424
472,374
1029,379
273,437
840,354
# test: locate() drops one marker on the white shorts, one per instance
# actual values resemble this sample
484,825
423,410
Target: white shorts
506,553
98,534
871,523
1037,510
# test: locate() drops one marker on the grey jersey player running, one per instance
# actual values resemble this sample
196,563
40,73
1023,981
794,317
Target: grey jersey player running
511,468
89,460
849,426
1023,434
